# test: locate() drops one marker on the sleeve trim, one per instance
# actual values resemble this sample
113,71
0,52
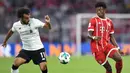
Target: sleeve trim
90,29
111,32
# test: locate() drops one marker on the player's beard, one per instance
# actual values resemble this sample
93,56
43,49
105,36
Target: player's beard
24,21
101,15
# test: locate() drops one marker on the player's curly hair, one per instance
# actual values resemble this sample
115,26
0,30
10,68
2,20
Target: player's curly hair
22,11
100,4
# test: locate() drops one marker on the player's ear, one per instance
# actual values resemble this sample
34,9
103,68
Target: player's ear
104,9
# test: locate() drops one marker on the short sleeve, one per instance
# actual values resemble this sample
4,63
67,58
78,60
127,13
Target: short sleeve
91,25
112,28
13,28
39,23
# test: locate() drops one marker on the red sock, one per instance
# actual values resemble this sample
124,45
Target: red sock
119,66
108,72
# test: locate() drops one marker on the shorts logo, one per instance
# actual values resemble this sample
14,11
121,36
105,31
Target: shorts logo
99,61
19,28
99,22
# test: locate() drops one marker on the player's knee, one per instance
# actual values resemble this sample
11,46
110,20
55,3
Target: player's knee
43,66
45,70
118,58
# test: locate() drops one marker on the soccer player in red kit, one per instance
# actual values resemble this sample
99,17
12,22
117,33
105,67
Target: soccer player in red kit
101,32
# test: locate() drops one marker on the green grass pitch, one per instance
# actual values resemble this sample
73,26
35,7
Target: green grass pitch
82,64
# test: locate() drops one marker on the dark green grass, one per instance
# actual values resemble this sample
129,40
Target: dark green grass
83,64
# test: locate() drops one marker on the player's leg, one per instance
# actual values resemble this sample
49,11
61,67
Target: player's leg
39,58
118,59
102,60
43,67
19,60
108,68
115,55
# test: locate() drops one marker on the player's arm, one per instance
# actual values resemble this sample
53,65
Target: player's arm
90,35
93,37
9,34
112,38
91,27
47,22
113,41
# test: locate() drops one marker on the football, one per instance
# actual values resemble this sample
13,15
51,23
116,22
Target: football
64,57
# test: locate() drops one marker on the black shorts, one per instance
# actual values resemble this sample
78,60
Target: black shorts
37,56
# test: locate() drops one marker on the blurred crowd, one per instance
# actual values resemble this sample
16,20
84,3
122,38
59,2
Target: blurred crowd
60,12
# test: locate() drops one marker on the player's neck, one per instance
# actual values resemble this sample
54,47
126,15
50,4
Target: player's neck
24,23
104,17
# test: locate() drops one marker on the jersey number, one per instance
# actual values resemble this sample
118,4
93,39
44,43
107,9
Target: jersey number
42,55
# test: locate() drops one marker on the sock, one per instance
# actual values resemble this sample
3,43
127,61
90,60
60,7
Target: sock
119,66
108,72
14,69
45,71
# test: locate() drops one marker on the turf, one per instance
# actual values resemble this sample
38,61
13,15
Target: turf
83,64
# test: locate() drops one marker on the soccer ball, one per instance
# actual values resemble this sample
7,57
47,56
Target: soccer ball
64,57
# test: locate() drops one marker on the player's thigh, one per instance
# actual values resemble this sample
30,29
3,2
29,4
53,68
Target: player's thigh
39,56
111,51
116,56
19,61
22,57
100,57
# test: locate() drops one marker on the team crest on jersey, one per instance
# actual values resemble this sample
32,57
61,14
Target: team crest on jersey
19,28
109,24
99,22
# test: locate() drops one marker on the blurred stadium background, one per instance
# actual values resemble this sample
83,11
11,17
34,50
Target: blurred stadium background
67,33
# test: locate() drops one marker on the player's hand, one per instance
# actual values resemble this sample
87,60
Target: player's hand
122,53
97,38
47,19
4,45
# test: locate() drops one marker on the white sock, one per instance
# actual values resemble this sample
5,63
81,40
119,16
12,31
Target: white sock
14,71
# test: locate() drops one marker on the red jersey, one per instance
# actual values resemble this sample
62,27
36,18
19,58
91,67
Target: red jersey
100,27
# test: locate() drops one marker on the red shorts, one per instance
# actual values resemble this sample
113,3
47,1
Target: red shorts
102,55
